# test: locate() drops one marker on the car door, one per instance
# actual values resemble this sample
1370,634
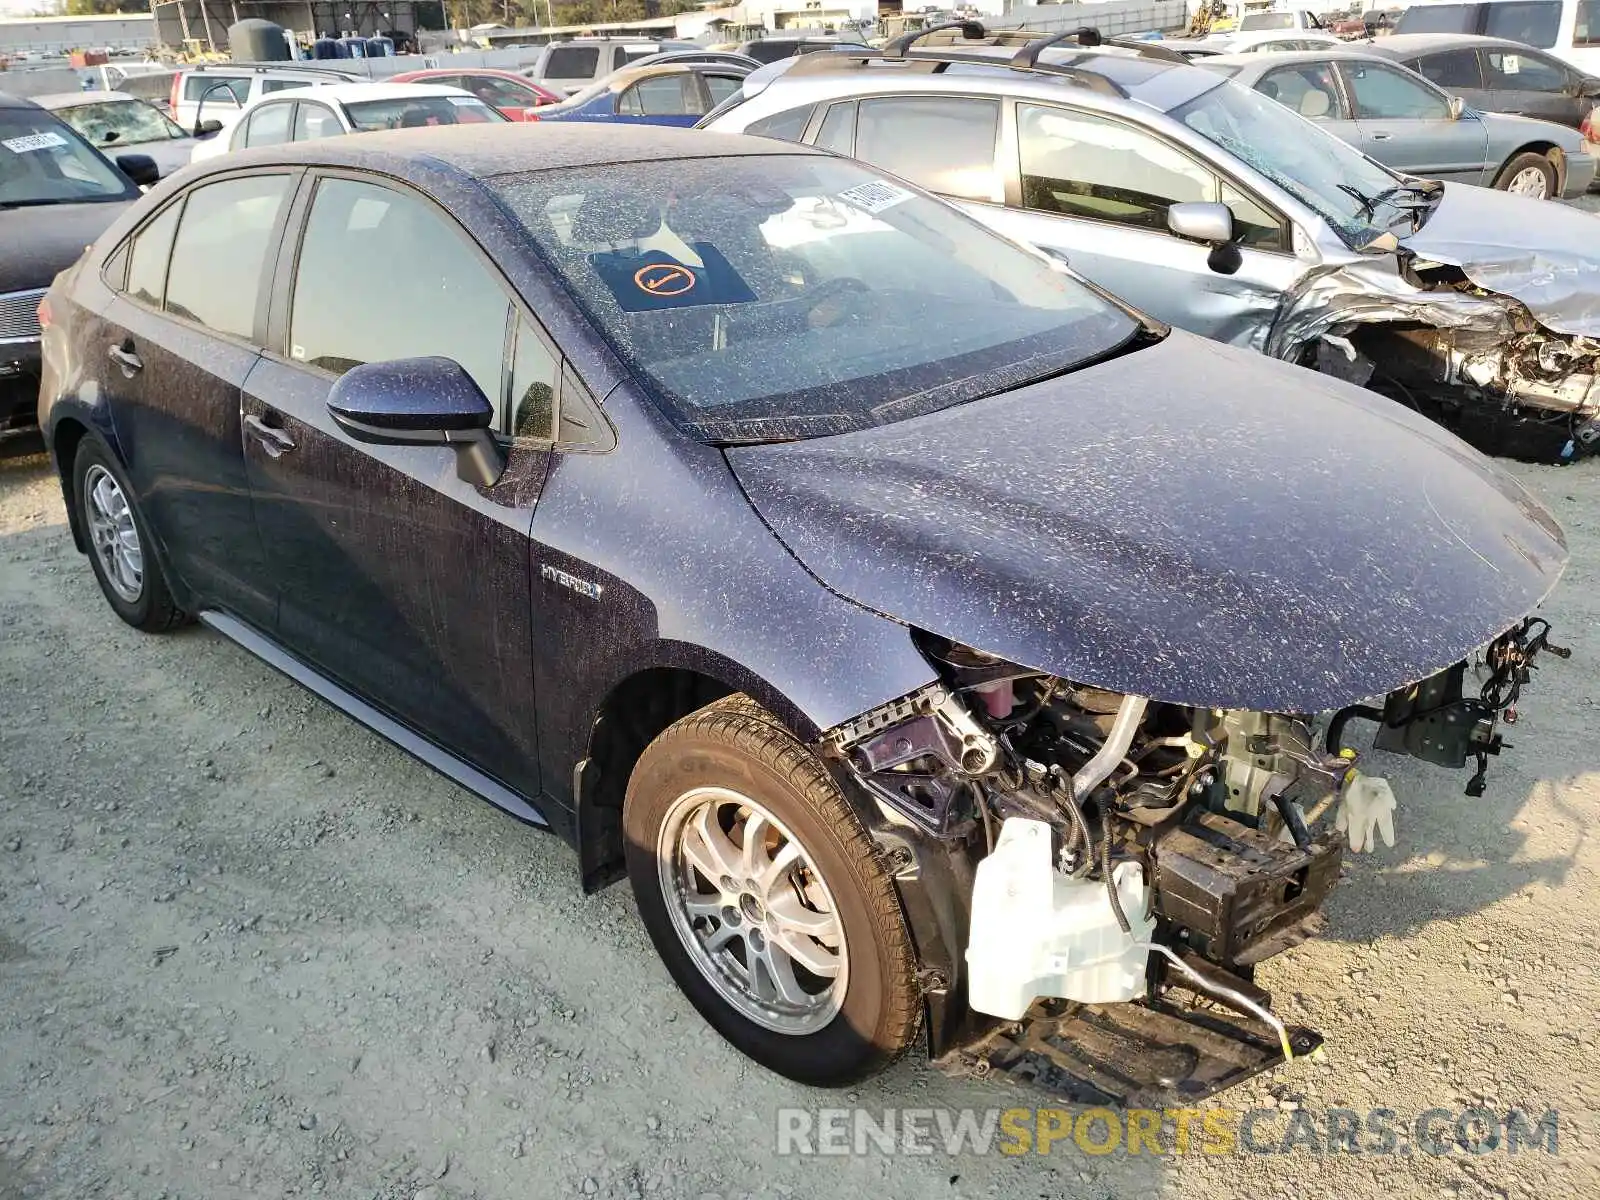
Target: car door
313,120
186,325
1406,124
1312,90
1531,84
1095,191
397,579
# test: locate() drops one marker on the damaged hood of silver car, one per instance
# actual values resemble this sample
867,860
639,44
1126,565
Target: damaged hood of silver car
1530,250
1189,522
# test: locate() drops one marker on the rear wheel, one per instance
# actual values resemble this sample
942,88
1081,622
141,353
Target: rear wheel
766,898
119,543
1529,174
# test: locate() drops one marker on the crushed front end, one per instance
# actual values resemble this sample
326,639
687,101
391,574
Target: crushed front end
1132,861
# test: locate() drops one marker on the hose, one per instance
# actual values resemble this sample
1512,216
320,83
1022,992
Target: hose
1080,827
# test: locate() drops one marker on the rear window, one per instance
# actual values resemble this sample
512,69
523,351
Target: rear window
1272,20
572,62
771,52
1532,24
790,296
1439,18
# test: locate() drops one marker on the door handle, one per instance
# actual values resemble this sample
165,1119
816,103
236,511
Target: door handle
122,354
1380,136
273,441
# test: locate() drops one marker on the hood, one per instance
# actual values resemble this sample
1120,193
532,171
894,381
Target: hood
1189,522
171,154
1535,251
45,239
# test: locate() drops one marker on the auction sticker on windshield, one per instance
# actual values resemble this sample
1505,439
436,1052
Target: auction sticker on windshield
47,140
875,197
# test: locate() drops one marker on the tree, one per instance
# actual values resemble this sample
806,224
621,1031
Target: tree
89,8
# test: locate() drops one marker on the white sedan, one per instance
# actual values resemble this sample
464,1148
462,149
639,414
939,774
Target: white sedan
304,114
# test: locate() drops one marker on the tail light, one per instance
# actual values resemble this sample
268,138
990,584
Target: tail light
177,87
44,314
1588,128
530,114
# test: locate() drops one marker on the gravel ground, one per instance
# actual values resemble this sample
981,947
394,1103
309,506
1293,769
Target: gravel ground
248,949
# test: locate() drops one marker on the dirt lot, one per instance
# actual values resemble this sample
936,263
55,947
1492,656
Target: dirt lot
247,949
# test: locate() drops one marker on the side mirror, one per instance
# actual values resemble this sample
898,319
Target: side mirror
1457,107
421,402
1201,221
207,127
140,168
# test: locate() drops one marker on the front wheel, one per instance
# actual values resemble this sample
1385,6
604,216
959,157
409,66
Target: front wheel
1528,174
766,898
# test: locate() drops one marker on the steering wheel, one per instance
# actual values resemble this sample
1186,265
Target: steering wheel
832,300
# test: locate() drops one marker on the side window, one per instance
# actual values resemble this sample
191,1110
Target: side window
497,93
268,86
946,145
147,262
222,246
1534,24
1083,166
1523,72
1253,225
1310,89
422,288
534,371
722,86
312,121
790,126
1586,30
1450,69
663,96
268,125
1386,95
838,132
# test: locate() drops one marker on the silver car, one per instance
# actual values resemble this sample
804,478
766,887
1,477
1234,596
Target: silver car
1224,213
115,121
1396,116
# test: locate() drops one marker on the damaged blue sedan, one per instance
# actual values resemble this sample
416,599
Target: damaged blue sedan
940,649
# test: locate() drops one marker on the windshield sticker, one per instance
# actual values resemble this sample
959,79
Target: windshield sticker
464,101
664,279
34,141
874,197
654,280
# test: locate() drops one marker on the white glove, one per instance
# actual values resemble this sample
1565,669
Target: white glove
1366,811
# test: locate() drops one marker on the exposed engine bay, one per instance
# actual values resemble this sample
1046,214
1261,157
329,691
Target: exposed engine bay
1126,847
1476,361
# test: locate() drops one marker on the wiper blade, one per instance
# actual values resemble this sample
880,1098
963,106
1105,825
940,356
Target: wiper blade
1368,203
35,203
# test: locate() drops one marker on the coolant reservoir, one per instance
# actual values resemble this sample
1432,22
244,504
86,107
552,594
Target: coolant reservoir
1036,932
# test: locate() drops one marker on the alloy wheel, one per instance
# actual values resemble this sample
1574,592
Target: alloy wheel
1531,182
752,910
114,535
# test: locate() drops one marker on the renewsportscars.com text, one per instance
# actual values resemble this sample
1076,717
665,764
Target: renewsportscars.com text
1214,1131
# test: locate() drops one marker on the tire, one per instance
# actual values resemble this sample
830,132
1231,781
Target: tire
120,548
1521,168
818,1028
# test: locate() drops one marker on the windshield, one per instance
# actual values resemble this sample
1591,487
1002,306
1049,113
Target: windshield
42,161
415,112
120,123
1312,165
776,297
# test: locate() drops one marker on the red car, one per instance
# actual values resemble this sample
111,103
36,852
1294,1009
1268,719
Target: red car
507,91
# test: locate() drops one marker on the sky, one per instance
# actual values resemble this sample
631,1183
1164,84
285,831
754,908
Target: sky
17,8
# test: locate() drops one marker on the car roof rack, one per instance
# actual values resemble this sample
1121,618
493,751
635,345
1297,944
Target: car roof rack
944,54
